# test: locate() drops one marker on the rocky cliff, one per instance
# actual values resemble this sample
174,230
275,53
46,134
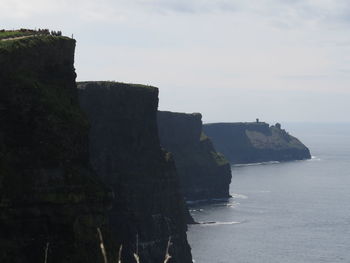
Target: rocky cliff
126,153
51,202
204,173
255,142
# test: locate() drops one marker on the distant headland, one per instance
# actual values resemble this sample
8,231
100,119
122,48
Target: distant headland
250,142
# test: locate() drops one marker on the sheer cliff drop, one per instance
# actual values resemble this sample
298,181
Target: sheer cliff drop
50,197
253,142
125,151
204,173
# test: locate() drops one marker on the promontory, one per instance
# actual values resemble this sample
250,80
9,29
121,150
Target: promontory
252,142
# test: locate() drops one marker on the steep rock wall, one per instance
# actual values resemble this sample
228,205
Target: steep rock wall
126,154
255,142
204,173
50,198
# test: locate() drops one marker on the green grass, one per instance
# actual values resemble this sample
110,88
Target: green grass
203,137
219,158
112,83
16,39
11,34
16,44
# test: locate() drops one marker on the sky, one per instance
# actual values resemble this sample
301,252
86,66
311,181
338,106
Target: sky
231,60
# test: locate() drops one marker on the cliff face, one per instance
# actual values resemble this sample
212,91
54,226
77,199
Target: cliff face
255,142
204,173
49,197
126,153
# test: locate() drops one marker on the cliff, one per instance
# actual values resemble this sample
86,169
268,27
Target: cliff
125,151
255,142
51,202
204,173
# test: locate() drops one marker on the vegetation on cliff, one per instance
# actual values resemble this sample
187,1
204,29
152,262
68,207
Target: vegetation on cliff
255,142
50,197
21,33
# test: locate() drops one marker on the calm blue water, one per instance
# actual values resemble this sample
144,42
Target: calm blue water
292,212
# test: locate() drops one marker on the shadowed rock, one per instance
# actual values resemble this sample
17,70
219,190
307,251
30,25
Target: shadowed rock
49,195
204,173
126,153
255,142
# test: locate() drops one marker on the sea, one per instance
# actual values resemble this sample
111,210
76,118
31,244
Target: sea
290,212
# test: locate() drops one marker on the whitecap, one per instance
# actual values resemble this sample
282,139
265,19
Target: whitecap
197,210
314,158
239,196
217,223
254,164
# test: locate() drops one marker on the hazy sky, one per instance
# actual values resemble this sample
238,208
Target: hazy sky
279,60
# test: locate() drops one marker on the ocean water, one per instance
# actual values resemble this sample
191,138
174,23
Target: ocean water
292,212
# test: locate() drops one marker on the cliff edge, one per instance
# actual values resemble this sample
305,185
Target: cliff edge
51,202
125,151
204,173
255,142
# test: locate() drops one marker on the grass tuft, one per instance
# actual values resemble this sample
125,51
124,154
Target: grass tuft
120,254
46,251
102,246
136,256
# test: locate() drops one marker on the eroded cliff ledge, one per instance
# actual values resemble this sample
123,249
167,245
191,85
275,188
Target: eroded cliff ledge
50,199
204,173
125,151
255,142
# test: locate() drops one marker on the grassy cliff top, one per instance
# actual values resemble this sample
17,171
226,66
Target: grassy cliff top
4,34
175,113
278,139
253,123
111,84
15,39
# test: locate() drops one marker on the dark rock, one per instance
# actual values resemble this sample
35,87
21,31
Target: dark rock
49,196
125,151
204,173
255,142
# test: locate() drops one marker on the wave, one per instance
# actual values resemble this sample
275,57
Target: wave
314,158
254,164
217,223
239,196
196,210
231,204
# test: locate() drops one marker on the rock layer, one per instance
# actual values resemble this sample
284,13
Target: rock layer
126,153
51,202
204,173
255,142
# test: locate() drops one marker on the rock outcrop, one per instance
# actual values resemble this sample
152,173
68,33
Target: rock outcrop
204,173
255,142
126,153
51,202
